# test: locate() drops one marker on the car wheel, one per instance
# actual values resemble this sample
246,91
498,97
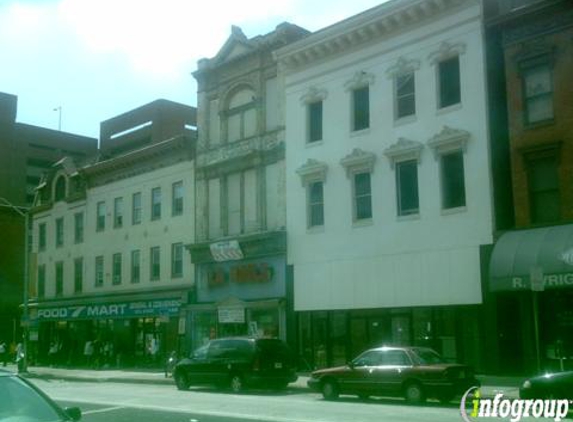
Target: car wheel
181,381
236,383
414,394
330,390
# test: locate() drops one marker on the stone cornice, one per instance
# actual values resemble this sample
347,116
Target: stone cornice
372,25
403,66
313,94
165,153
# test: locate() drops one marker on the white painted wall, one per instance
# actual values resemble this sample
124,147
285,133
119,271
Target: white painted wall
393,262
163,233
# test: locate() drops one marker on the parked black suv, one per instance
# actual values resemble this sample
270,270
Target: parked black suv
237,363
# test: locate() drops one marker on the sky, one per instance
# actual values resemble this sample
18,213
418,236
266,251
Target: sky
86,61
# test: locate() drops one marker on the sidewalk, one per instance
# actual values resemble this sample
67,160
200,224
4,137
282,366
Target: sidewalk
491,385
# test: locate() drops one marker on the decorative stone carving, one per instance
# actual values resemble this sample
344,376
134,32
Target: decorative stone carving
359,80
358,161
313,94
312,171
402,66
404,149
447,50
448,140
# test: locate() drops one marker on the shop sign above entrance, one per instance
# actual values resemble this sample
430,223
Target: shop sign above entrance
537,282
161,308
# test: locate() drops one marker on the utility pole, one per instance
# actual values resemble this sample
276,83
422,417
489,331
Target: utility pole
59,110
23,212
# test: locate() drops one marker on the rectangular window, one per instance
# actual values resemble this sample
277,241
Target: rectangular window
177,198
78,275
361,108
118,212
59,278
449,82
362,196
42,281
59,232
136,208
155,203
407,187
544,195
177,260
315,121
453,181
99,271
155,263
135,266
405,92
315,204
79,227
100,225
42,236
538,94
116,275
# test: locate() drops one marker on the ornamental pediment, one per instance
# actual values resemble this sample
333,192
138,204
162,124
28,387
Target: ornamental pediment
359,160
403,150
312,170
449,139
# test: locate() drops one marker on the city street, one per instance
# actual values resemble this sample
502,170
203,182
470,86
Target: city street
102,401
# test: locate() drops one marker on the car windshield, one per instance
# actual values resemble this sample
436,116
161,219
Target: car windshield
427,357
19,402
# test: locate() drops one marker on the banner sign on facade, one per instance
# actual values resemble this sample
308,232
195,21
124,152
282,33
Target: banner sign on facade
226,251
146,308
518,283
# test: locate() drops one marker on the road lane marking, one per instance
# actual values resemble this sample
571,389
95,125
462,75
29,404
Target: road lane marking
107,409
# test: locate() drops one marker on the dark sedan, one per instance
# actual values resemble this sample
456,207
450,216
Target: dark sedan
21,401
548,386
415,373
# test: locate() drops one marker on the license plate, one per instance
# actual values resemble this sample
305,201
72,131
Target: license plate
278,365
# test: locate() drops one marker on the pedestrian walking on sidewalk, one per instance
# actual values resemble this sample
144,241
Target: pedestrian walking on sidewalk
3,353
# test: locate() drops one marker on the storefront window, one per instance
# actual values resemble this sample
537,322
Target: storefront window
338,334
264,322
305,340
320,338
204,328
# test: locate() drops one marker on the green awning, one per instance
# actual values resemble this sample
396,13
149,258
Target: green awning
517,252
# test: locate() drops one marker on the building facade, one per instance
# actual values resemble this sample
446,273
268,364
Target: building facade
111,273
531,267
388,181
27,153
240,245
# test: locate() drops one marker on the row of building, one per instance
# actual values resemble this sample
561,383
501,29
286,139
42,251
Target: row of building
400,177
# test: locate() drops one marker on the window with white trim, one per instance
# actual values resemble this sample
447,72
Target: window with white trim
407,196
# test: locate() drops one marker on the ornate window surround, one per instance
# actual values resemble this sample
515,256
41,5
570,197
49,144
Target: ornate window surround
358,161
360,79
312,171
403,150
445,51
403,66
448,140
313,94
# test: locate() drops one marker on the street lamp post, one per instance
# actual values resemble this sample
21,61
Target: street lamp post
23,212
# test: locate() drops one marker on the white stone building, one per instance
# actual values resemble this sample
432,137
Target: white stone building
388,180
109,238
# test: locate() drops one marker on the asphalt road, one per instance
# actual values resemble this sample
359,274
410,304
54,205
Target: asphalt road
116,402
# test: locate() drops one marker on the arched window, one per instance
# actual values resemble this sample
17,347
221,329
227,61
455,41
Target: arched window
60,188
241,116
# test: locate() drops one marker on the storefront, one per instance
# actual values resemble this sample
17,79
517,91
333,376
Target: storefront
115,332
331,338
531,282
236,298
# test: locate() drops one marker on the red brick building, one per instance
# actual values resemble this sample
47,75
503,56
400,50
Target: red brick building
531,268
